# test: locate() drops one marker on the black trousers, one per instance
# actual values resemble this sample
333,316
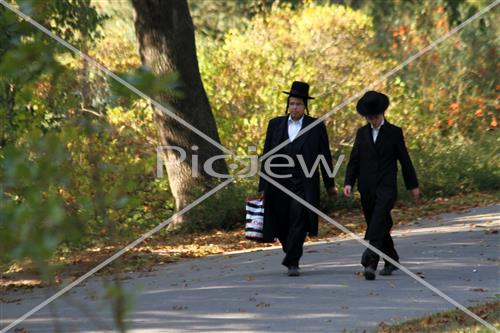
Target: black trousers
293,223
377,210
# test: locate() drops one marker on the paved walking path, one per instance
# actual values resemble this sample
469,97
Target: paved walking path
249,292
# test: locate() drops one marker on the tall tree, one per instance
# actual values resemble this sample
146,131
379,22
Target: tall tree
165,33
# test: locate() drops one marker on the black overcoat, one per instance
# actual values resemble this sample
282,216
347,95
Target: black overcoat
310,145
374,167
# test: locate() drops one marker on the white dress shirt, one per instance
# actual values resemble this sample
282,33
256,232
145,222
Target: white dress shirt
294,127
376,130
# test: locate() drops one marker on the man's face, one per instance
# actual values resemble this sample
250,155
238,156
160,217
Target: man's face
375,120
296,107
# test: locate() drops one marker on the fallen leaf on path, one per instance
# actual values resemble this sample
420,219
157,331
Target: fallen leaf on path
4,300
179,307
263,305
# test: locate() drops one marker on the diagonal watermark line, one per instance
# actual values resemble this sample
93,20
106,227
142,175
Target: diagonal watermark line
374,249
117,254
166,110
386,75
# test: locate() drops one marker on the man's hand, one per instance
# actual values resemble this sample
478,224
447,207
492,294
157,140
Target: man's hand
415,194
332,191
261,195
348,191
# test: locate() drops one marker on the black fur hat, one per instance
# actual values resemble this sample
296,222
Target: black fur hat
372,103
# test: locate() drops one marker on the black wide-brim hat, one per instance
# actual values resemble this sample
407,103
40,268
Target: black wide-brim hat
372,103
299,89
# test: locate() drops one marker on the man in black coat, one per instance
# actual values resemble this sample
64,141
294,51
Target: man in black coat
292,166
373,163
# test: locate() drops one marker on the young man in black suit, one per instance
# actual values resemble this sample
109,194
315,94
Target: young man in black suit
373,163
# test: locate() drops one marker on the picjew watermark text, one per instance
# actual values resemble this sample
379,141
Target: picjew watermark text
244,166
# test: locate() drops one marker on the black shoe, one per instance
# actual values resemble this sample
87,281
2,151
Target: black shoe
369,273
387,270
293,271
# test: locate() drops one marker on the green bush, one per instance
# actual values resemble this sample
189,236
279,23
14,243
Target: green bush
34,217
456,165
327,46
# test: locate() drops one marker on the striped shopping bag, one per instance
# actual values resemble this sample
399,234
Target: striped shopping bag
254,218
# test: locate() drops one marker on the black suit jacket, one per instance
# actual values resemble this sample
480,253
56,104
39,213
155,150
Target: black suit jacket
374,165
310,145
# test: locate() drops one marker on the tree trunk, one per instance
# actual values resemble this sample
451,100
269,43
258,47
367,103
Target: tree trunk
166,38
